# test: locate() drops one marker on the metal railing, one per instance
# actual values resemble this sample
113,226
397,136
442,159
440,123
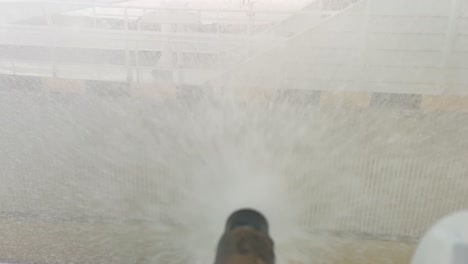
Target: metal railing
228,33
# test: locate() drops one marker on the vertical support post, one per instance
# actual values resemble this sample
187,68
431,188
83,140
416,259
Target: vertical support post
128,63
94,18
218,58
52,48
364,31
94,15
321,7
219,44
126,18
179,60
166,51
358,67
137,51
137,64
13,67
12,62
47,16
448,42
251,18
251,24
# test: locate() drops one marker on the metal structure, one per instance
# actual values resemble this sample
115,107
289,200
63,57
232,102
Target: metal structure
365,45
139,43
374,46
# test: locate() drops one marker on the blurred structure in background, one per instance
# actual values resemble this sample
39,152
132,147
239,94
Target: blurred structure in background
383,85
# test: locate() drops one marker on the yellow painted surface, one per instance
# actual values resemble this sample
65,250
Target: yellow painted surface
369,252
346,99
158,90
56,85
444,103
255,94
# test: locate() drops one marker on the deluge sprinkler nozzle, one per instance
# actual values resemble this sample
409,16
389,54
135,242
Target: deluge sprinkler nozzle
245,240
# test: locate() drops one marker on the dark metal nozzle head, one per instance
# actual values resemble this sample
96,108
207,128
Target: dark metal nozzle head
245,240
247,218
